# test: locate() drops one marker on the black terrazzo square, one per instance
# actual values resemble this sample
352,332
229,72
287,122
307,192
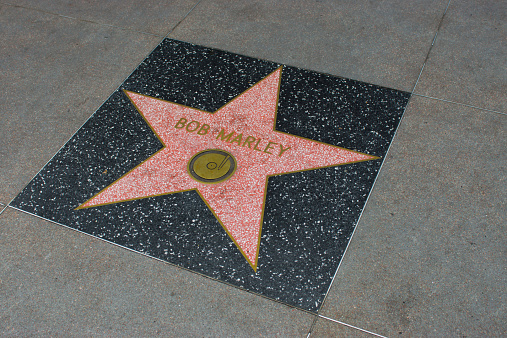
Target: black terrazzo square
308,216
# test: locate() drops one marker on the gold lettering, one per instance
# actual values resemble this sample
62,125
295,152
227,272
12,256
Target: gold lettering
192,130
249,141
237,139
282,150
224,137
204,129
181,123
255,147
269,147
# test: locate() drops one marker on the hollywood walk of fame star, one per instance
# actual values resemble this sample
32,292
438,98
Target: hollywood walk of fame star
226,156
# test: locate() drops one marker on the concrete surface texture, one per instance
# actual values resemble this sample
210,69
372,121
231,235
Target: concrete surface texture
429,254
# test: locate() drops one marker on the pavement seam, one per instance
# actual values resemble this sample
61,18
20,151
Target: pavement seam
138,65
316,316
292,307
424,64
184,17
118,87
314,321
352,326
378,174
79,19
431,46
94,111
364,207
358,220
461,104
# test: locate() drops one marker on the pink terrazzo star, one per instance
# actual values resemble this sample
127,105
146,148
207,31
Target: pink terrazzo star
244,128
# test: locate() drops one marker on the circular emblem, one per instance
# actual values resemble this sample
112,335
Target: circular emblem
211,166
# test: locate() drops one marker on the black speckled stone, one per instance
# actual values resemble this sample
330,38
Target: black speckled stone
309,216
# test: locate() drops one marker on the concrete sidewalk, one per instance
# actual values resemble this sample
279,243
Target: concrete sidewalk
428,256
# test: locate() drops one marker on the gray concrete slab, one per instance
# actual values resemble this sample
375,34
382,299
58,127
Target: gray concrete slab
56,281
429,255
55,72
384,43
155,17
327,328
467,63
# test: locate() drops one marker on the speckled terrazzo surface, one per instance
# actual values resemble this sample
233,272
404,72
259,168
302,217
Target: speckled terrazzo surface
308,216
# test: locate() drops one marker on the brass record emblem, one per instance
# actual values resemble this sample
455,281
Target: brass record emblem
211,166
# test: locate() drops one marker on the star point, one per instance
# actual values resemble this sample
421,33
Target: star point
200,149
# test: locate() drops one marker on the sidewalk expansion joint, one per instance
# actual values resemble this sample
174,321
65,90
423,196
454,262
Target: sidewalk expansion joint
431,46
82,20
243,170
461,104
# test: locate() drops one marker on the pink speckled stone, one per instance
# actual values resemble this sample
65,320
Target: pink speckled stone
238,202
